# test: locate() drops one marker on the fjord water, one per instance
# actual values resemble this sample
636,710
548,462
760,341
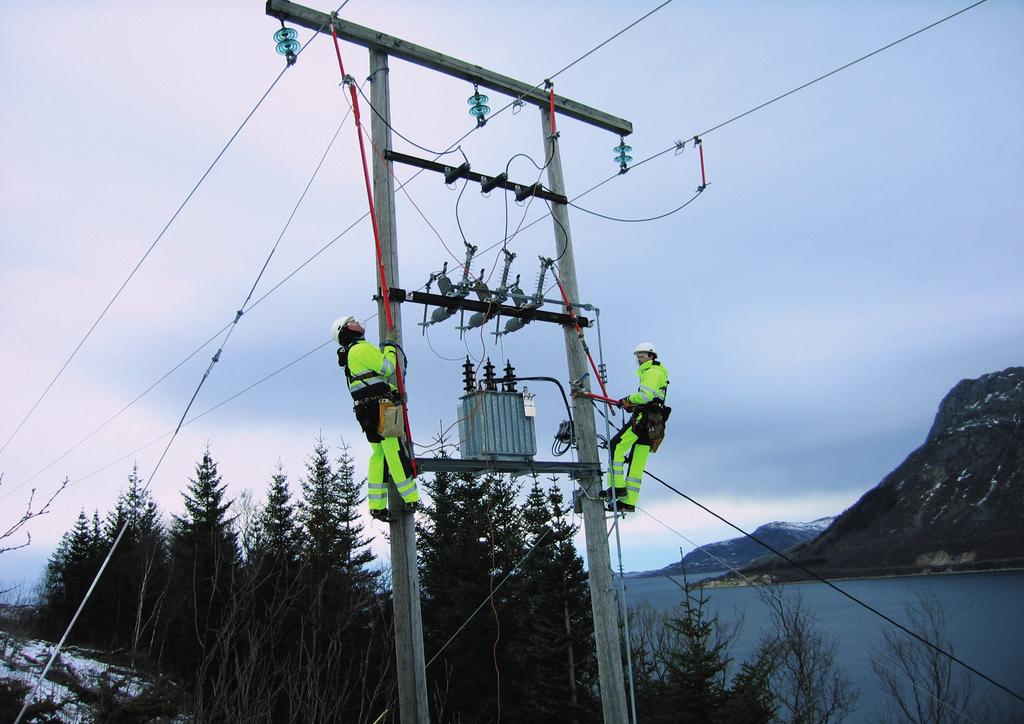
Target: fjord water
984,620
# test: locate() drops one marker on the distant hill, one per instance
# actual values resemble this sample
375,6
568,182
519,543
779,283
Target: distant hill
956,503
738,552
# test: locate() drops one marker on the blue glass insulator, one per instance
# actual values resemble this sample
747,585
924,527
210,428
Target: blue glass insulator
479,111
477,99
623,158
622,149
285,34
288,47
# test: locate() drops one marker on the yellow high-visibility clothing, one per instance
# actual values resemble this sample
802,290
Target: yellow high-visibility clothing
652,388
370,372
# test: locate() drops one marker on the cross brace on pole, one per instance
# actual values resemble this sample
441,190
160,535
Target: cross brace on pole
521,191
491,309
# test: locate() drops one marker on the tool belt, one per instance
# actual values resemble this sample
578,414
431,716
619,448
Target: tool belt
649,422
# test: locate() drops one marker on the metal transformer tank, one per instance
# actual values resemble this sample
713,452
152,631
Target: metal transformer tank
496,425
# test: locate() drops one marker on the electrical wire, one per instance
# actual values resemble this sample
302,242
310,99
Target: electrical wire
244,309
676,145
181,421
848,595
643,220
386,122
145,256
769,592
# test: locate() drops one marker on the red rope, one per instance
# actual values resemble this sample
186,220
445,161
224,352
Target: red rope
551,96
369,189
579,332
385,292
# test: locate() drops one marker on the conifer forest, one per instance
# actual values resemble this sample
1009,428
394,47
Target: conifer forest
278,611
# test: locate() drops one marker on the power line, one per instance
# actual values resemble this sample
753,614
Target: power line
677,145
769,591
181,421
848,595
640,221
244,308
841,68
152,246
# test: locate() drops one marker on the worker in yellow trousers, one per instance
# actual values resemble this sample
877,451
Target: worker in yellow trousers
369,371
641,434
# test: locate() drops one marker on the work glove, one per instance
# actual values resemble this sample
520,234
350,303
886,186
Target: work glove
626,405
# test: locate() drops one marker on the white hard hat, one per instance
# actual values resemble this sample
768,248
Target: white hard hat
339,324
647,348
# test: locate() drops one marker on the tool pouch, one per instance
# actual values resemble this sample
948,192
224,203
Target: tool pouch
656,416
392,420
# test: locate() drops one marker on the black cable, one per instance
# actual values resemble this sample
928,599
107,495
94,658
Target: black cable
638,221
850,596
437,154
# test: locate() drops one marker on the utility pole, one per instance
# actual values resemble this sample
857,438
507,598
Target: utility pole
408,625
602,593
405,575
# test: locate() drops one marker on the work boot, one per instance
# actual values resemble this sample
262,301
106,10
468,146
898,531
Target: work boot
621,508
381,515
609,493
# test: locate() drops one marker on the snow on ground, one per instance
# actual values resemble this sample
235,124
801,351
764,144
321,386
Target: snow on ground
22,659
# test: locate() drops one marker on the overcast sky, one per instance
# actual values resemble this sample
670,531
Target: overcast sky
858,250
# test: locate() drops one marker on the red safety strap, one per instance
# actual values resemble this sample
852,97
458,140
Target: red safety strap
385,292
579,332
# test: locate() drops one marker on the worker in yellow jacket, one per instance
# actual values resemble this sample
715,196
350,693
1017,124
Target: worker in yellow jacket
370,372
644,430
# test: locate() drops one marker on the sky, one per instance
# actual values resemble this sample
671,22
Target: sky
857,251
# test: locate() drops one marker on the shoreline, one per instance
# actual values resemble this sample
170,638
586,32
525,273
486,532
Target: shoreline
761,579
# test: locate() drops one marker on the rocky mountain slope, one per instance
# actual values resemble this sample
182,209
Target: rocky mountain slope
956,503
738,552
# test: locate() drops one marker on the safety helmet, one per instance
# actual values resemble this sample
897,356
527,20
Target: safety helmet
647,348
339,324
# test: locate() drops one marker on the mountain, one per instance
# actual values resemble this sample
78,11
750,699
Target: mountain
955,503
738,552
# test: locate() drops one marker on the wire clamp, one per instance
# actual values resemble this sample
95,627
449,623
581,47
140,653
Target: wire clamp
347,80
680,145
238,315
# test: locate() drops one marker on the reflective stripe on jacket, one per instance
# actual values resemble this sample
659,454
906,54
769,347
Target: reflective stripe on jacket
369,366
653,383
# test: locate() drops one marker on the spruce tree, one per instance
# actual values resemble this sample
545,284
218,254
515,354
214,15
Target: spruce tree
276,537
134,586
69,573
319,513
205,557
557,648
356,557
470,539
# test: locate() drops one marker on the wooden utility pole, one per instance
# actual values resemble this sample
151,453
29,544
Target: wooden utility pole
408,625
602,593
405,576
